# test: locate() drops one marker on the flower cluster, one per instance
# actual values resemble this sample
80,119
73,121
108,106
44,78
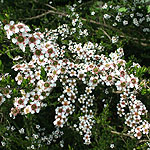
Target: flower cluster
37,139
85,65
126,16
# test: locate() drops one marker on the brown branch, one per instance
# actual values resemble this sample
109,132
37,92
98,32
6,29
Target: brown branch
65,15
101,24
44,14
136,40
141,141
118,133
105,33
132,137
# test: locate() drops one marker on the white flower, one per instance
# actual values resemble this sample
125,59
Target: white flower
21,131
115,24
135,22
106,16
105,6
125,22
112,145
92,13
131,15
19,78
3,143
118,18
114,39
27,109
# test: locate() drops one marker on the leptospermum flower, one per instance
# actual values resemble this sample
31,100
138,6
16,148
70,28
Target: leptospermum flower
35,107
11,29
19,78
33,40
20,102
7,92
122,84
27,109
21,40
14,112
133,81
22,27
58,122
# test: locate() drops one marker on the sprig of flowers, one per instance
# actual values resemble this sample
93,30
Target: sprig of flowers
86,64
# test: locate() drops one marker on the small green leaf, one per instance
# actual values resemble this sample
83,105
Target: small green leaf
43,73
123,9
9,55
148,8
15,91
1,66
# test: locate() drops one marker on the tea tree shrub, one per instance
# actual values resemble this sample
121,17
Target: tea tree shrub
69,79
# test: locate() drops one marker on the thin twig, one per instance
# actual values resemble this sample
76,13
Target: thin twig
8,51
44,14
50,6
141,141
105,33
118,133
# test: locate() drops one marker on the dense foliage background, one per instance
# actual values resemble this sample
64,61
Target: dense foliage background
109,130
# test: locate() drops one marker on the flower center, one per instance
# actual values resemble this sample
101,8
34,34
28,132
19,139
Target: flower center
20,39
20,101
36,97
19,77
94,81
46,84
109,78
95,69
33,106
50,51
38,52
32,39
133,81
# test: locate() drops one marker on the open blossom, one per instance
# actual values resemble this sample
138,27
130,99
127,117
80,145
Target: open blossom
114,39
106,16
21,40
121,84
20,102
92,13
58,122
33,40
22,27
125,22
35,107
27,109
19,78
10,29
105,6
133,81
